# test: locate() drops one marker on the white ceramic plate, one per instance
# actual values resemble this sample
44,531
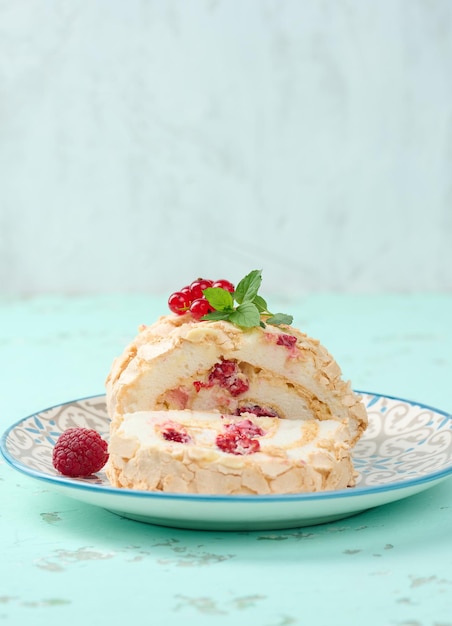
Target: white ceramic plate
406,449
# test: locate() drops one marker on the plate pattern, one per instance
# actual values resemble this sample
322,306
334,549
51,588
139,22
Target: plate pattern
31,441
404,440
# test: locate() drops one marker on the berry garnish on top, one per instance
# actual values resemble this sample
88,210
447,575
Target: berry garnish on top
191,297
211,300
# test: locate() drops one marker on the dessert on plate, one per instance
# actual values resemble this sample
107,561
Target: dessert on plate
223,397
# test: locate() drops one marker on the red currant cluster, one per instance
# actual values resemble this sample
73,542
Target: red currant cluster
191,297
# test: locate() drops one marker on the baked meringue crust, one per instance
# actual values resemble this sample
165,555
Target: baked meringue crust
168,368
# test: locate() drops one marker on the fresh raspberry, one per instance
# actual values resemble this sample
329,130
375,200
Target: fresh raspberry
79,452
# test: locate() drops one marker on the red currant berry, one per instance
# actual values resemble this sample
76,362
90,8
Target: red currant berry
199,308
186,290
224,284
198,286
179,302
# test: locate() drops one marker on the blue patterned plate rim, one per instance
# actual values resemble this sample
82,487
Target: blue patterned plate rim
351,492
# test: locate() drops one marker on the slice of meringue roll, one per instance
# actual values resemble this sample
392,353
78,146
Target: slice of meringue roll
211,453
180,365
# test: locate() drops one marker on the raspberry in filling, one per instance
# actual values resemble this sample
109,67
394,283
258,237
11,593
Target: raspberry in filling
245,428
174,432
256,409
230,442
239,438
286,340
225,374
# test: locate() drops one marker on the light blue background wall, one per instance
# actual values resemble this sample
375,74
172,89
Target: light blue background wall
146,142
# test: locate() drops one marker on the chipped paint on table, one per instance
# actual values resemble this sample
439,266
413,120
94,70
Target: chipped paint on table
62,558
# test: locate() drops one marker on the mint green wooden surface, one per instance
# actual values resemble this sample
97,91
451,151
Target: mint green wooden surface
61,560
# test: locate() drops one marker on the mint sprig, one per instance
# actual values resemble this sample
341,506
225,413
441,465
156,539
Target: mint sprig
250,305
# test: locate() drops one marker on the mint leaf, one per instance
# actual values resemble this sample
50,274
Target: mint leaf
246,315
219,298
279,318
217,315
261,304
248,287
250,305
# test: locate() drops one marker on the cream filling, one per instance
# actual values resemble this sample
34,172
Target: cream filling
296,440
300,382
